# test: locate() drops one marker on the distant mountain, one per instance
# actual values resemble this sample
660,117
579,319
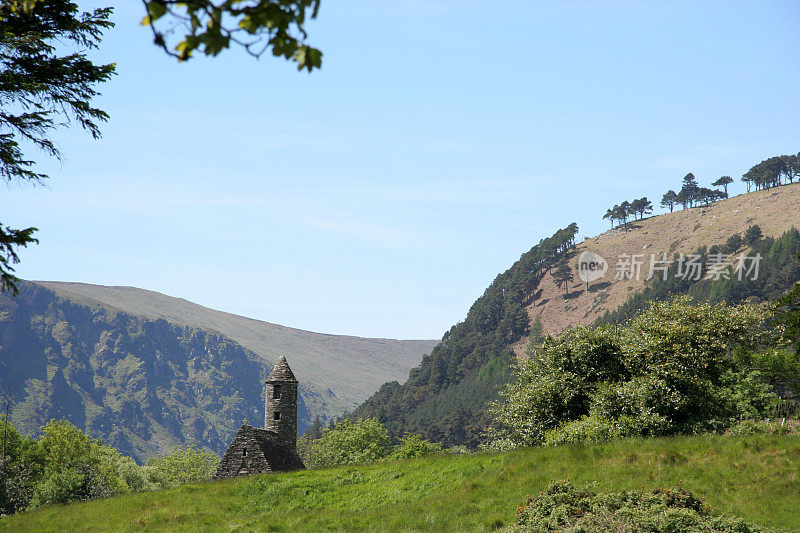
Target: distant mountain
444,398
145,371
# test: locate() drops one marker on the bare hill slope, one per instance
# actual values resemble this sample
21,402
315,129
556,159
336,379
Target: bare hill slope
776,210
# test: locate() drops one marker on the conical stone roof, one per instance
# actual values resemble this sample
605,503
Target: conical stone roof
281,372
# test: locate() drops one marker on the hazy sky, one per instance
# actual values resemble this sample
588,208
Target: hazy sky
381,195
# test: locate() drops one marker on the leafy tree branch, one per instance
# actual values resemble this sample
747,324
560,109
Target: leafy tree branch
182,28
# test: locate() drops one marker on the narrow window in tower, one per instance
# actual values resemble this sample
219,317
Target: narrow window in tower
276,415
244,452
276,392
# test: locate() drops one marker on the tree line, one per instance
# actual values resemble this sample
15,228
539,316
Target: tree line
772,172
629,210
691,194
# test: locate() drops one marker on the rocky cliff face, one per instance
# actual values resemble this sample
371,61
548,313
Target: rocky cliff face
140,385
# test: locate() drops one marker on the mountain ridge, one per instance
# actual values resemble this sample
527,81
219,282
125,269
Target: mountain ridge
267,339
145,384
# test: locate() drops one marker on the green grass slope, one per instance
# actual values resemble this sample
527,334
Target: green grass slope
756,478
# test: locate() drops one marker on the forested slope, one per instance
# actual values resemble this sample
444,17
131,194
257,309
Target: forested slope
445,397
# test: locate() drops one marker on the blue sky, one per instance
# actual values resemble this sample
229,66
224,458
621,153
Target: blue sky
381,195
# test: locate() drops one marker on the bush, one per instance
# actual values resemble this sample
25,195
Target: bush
669,370
585,429
78,483
415,446
764,427
563,507
23,468
458,450
349,442
74,467
184,464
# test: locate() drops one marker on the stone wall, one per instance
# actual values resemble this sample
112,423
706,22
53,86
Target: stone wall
257,451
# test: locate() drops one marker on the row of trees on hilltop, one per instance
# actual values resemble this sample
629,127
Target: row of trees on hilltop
563,240
692,194
629,210
771,172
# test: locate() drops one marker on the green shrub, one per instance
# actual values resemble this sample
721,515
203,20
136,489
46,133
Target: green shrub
349,442
458,450
23,468
765,427
672,369
585,429
563,507
74,467
78,483
184,464
748,427
415,446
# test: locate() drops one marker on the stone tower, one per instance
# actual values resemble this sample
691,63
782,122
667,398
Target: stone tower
280,406
274,448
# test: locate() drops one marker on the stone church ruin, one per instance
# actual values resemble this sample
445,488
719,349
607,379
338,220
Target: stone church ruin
274,448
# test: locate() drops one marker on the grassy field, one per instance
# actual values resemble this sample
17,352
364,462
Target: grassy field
754,477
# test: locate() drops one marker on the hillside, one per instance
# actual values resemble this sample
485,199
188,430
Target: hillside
348,368
445,397
145,372
776,210
754,478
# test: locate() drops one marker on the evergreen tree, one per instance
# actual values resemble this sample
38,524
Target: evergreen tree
753,235
688,190
791,166
46,82
562,275
724,181
315,431
788,315
641,207
669,200
611,215
625,211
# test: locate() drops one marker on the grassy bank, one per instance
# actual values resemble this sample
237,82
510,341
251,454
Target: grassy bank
755,477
